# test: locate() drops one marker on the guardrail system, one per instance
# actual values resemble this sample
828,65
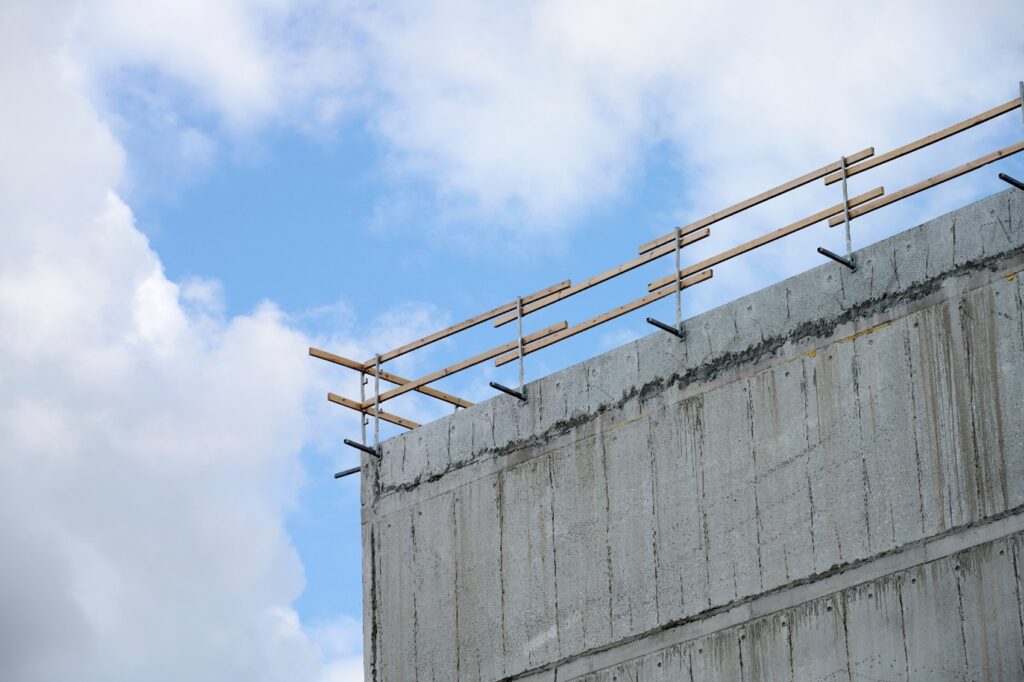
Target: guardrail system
670,243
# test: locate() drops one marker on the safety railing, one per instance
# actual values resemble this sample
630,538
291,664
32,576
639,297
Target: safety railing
369,406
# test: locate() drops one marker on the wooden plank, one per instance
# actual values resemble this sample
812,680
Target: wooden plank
925,141
602,318
465,324
932,182
761,198
386,416
694,236
766,239
466,364
387,376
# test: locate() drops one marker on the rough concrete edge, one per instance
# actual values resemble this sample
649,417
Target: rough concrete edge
705,370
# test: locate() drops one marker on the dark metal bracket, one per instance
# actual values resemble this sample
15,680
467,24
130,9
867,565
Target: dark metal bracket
837,258
667,327
511,391
348,472
1013,181
359,446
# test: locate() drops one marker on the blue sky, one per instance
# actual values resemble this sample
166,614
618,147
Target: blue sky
202,191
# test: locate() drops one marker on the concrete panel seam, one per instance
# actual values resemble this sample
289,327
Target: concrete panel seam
787,596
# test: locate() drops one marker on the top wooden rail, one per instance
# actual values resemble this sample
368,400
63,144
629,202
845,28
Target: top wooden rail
761,198
925,141
681,278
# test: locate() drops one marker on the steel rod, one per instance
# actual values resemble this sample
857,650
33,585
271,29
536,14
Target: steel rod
837,258
1013,181
675,331
365,448
511,391
348,472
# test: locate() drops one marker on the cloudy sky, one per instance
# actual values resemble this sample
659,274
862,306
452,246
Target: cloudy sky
191,193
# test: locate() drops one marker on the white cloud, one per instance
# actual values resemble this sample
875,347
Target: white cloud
540,110
148,444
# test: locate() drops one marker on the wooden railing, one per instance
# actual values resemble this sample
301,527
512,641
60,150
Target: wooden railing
670,243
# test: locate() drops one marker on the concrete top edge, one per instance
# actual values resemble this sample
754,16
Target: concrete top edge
807,304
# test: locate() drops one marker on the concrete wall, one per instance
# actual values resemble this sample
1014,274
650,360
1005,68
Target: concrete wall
825,481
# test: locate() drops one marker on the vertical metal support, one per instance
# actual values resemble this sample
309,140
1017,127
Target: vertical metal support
362,400
519,322
846,216
679,281
376,403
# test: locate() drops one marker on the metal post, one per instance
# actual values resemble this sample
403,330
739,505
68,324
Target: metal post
376,403
679,281
519,321
846,216
362,400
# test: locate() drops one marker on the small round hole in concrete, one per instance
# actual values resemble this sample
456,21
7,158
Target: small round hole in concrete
829,609
956,568
783,623
1002,552
913,581
870,596
700,651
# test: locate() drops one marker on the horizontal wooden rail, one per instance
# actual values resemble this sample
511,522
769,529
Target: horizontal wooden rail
466,364
926,140
761,198
386,416
694,235
387,376
932,182
602,318
766,238
466,324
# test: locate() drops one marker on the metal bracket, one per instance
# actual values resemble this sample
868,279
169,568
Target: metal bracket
668,328
376,403
1013,181
365,448
348,472
837,258
511,391
850,261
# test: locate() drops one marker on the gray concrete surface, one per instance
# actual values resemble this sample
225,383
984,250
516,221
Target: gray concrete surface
801,436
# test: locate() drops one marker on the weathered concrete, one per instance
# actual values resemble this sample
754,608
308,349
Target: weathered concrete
743,505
